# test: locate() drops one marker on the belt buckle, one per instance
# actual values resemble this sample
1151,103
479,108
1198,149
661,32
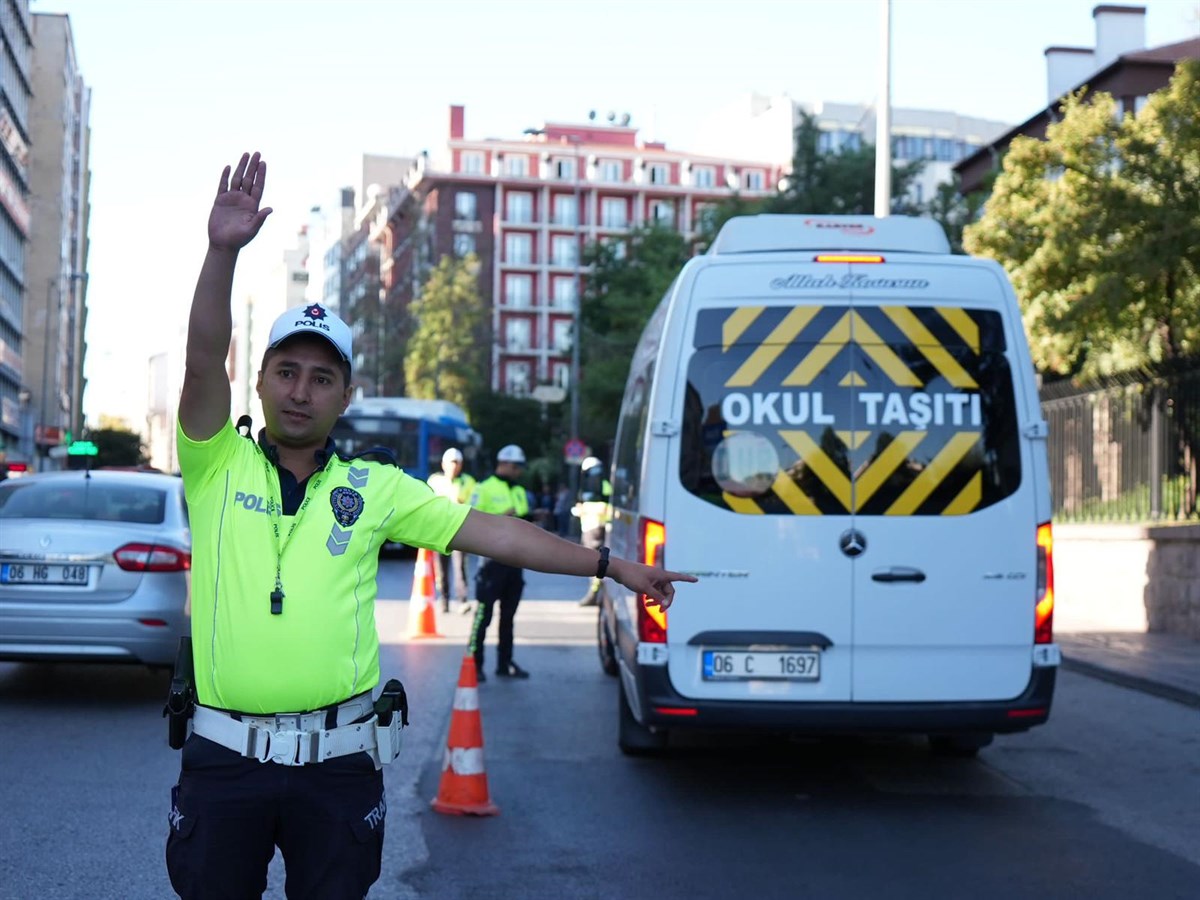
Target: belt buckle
283,747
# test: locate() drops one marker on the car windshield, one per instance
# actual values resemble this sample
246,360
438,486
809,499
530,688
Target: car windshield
83,499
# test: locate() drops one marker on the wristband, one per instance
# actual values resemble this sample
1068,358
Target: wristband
602,566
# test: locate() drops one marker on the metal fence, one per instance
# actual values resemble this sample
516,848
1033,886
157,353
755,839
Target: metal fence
1125,449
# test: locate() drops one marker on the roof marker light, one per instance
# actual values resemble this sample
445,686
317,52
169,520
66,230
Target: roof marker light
848,258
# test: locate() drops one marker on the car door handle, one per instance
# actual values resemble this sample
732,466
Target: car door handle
898,573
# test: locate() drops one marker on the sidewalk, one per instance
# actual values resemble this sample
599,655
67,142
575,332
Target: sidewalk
1166,665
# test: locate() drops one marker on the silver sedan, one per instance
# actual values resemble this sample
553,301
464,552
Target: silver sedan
94,566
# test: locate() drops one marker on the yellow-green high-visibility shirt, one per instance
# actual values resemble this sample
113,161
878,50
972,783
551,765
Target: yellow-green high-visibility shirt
497,496
323,647
458,489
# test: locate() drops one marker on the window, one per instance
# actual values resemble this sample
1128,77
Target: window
563,250
658,173
560,374
516,335
566,211
662,212
619,249
518,249
561,335
704,215
472,162
465,206
613,212
753,180
518,291
516,164
564,293
611,170
703,176
729,446
464,244
564,169
516,378
518,207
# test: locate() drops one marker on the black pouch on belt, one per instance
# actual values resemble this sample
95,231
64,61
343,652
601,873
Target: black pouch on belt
392,699
181,698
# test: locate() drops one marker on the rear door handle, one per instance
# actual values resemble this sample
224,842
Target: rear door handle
898,573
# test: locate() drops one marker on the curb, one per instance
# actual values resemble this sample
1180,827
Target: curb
1134,682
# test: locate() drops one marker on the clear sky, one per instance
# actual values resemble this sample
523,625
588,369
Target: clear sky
180,88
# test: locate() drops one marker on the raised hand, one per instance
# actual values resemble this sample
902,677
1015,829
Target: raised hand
235,218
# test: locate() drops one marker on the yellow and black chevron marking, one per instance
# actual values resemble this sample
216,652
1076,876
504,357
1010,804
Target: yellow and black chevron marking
870,410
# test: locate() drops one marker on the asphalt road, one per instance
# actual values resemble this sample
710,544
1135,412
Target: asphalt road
1099,803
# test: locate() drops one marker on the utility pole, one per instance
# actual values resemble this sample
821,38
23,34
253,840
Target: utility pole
883,116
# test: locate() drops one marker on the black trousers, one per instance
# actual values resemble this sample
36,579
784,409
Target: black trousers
229,813
496,582
451,564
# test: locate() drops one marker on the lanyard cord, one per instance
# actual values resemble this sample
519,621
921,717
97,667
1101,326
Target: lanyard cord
275,511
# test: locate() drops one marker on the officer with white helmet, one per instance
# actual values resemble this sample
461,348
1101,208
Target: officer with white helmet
500,495
592,510
456,486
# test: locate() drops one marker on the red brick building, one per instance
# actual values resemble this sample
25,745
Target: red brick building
527,206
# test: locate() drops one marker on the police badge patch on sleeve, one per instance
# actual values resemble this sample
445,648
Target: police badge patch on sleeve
347,505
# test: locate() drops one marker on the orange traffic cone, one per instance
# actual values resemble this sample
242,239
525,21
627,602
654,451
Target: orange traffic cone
464,787
422,618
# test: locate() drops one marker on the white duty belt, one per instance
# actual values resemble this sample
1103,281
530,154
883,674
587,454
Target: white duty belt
301,739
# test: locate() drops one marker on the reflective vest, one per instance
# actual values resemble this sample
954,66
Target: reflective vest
495,495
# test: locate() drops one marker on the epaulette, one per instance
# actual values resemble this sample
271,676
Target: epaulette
378,454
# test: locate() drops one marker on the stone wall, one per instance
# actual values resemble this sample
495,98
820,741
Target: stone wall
1127,578
1173,586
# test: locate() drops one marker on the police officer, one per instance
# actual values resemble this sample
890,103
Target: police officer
500,495
286,745
592,510
456,486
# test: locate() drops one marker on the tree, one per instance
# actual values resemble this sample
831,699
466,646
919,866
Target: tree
117,447
502,419
841,182
954,211
446,355
627,279
1099,228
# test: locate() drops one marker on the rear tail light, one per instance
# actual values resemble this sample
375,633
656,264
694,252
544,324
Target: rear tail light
152,558
652,620
1043,629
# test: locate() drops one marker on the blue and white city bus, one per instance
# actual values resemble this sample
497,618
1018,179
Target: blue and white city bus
416,432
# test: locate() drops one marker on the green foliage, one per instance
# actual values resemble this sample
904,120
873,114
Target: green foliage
838,183
117,447
447,354
954,212
626,281
1099,228
502,419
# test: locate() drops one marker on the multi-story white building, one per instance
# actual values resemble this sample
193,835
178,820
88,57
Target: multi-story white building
765,126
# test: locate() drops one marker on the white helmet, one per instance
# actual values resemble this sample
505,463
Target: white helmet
590,462
511,453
